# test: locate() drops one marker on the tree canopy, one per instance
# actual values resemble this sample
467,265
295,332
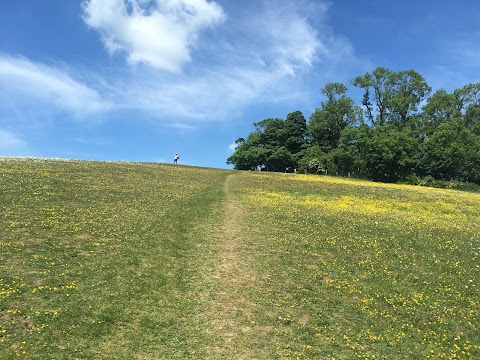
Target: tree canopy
398,133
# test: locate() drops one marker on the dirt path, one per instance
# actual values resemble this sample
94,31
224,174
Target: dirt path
232,321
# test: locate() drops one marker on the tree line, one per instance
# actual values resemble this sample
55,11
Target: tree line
399,132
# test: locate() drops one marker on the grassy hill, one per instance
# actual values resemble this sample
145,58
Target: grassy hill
149,261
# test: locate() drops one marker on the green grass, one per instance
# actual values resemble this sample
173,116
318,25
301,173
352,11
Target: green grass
151,261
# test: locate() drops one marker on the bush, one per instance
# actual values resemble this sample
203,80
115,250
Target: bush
430,181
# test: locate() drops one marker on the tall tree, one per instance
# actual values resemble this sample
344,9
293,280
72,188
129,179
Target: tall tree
440,108
392,153
249,154
408,90
376,82
441,140
462,104
272,132
354,149
295,129
468,103
452,153
396,95
280,160
327,122
275,145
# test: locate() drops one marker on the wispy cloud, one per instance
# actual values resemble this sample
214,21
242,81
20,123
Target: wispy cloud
284,36
12,144
465,50
254,59
33,83
232,147
244,60
180,126
157,33
459,63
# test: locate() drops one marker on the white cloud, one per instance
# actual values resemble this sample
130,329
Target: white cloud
155,32
29,83
265,57
459,64
180,126
11,144
265,53
465,55
290,42
233,147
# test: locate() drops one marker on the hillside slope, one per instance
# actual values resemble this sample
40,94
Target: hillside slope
149,261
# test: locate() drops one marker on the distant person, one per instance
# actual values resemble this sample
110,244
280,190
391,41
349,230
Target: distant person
175,159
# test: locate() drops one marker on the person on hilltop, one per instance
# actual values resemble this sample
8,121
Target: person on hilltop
175,159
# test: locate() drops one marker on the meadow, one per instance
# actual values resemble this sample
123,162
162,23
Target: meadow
117,260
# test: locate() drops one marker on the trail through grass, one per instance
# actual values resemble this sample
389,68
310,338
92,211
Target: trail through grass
229,278
151,261
231,295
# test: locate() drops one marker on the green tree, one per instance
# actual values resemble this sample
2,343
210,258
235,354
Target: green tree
312,160
442,140
468,103
353,150
440,108
275,145
338,111
280,160
408,90
451,153
249,154
392,96
376,83
272,133
295,129
392,153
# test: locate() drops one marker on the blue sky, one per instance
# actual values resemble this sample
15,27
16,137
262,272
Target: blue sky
138,80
